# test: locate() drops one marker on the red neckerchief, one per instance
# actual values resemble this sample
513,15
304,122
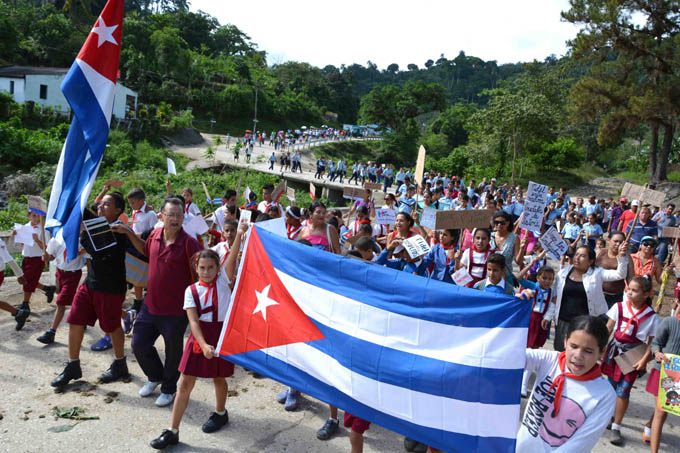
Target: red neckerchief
224,258
558,383
292,231
633,318
187,207
210,287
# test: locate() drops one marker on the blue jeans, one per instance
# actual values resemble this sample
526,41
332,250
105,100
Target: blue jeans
662,252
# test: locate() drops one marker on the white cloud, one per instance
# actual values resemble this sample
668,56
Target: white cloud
398,31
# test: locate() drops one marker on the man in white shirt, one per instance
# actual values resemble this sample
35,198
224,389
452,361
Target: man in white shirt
267,204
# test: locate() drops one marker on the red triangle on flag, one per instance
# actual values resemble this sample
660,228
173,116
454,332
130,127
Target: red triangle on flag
264,313
102,46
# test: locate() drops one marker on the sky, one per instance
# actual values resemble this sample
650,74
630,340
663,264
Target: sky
397,31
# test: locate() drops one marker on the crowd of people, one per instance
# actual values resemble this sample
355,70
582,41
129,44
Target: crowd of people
604,284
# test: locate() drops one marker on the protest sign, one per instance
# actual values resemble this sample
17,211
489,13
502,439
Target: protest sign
372,186
385,216
534,207
172,170
467,218
353,193
420,166
671,232
37,205
669,385
117,183
290,193
643,194
312,191
23,234
100,233
245,216
136,271
278,190
553,244
196,225
461,277
415,246
429,218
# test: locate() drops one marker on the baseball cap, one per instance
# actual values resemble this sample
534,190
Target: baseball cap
623,199
649,238
635,203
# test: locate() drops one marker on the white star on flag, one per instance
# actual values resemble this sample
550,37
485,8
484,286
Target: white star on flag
263,301
104,33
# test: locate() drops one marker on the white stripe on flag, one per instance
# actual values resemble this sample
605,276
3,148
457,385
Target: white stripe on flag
102,88
472,346
55,194
420,408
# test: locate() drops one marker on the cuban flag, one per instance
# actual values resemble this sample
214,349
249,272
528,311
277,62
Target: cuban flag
435,362
89,88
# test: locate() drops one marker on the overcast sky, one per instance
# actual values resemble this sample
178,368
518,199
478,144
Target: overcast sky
397,31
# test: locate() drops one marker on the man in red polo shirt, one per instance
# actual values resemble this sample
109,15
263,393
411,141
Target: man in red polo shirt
169,250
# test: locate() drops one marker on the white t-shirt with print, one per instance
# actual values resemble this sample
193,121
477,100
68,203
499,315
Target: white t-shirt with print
585,409
223,296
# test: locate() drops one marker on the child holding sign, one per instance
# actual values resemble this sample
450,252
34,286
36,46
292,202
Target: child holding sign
635,322
32,265
474,258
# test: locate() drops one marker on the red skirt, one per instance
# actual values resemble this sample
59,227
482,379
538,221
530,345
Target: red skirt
537,336
195,364
2,277
653,382
611,369
68,285
32,266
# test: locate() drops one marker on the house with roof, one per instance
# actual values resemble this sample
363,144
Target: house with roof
42,85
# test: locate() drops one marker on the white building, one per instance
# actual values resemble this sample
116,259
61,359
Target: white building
43,86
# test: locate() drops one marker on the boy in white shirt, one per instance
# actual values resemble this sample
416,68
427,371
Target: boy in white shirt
68,279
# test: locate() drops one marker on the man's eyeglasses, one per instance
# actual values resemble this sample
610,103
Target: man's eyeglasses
172,216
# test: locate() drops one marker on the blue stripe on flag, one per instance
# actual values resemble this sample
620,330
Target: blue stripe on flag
395,291
449,441
418,373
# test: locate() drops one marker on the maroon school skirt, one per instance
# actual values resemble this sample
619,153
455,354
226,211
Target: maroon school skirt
653,382
32,266
537,336
195,364
68,285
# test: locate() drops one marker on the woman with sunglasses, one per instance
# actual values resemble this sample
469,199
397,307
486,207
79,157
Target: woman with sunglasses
505,241
645,262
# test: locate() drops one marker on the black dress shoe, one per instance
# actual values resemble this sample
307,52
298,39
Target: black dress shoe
215,422
165,439
20,317
72,371
49,293
47,337
25,306
117,370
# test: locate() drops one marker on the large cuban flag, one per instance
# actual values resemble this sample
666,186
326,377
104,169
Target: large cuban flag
89,88
435,362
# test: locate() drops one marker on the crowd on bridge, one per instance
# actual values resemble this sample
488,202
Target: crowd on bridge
617,259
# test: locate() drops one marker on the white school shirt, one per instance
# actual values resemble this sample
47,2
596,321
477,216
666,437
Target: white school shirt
222,250
142,221
645,329
3,263
30,251
58,250
223,295
585,409
475,271
262,206
218,217
193,209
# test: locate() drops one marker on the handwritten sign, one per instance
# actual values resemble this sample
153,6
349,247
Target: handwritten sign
670,232
645,195
553,244
669,385
415,246
290,193
136,271
461,277
420,165
534,206
353,193
23,234
372,186
429,218
470,218
385,216
37,205
278,190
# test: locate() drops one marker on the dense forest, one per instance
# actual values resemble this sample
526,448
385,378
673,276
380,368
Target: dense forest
611,102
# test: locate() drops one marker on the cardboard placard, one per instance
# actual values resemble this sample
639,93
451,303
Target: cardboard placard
117,183
385,216
378,198
534,207
37,205
353,193
553,244
290,193
278,190
420,166
629,358
669,385
136,271
643,194
469,218
461,277
671,232
429,218
372,185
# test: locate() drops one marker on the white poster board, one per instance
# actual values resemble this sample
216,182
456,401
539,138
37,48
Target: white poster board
534,206
385,216
172,170
429,218
415,246
461,277
553,244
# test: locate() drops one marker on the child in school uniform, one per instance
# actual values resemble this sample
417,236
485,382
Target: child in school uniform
474,258
571,231
634,323
206,304
68,279
190,207
20,314
592,231
32,265
495,281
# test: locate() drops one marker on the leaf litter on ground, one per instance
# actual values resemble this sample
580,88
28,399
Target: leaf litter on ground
72,413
